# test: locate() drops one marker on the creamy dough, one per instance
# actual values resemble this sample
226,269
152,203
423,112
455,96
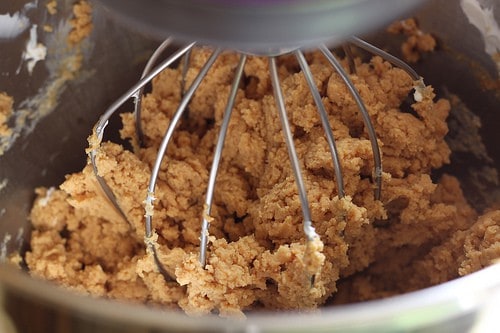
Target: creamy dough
419,234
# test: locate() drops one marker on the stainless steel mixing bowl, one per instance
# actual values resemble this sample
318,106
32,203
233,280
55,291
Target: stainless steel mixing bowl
52,144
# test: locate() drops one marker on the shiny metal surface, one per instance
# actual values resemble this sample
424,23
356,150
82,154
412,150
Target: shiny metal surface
256,26
451,307
56,146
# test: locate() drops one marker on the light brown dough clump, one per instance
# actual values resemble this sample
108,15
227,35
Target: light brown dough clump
417,42
81,23
6,103
257,253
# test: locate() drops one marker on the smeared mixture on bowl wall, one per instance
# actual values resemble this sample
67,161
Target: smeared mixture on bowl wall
6,103
421,233
63,62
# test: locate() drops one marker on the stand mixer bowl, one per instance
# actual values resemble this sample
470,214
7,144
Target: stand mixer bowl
55,146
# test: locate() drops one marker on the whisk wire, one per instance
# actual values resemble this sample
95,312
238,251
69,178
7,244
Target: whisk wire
140,84
216,161
309,231
104,120
366,118
168,136
138,94
324,121
108,192
386,56
350,58
185,67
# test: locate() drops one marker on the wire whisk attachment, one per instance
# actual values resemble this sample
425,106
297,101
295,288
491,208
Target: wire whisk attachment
313,257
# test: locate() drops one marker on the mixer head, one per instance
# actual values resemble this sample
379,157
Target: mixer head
258,26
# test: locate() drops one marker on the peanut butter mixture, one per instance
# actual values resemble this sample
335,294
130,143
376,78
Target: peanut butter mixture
417,42
6,103
81,23
419,234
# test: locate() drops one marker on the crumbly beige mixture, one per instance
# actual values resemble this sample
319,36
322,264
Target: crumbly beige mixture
257,253
81,24
6,103
417,42
51,7
48,28
464,252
